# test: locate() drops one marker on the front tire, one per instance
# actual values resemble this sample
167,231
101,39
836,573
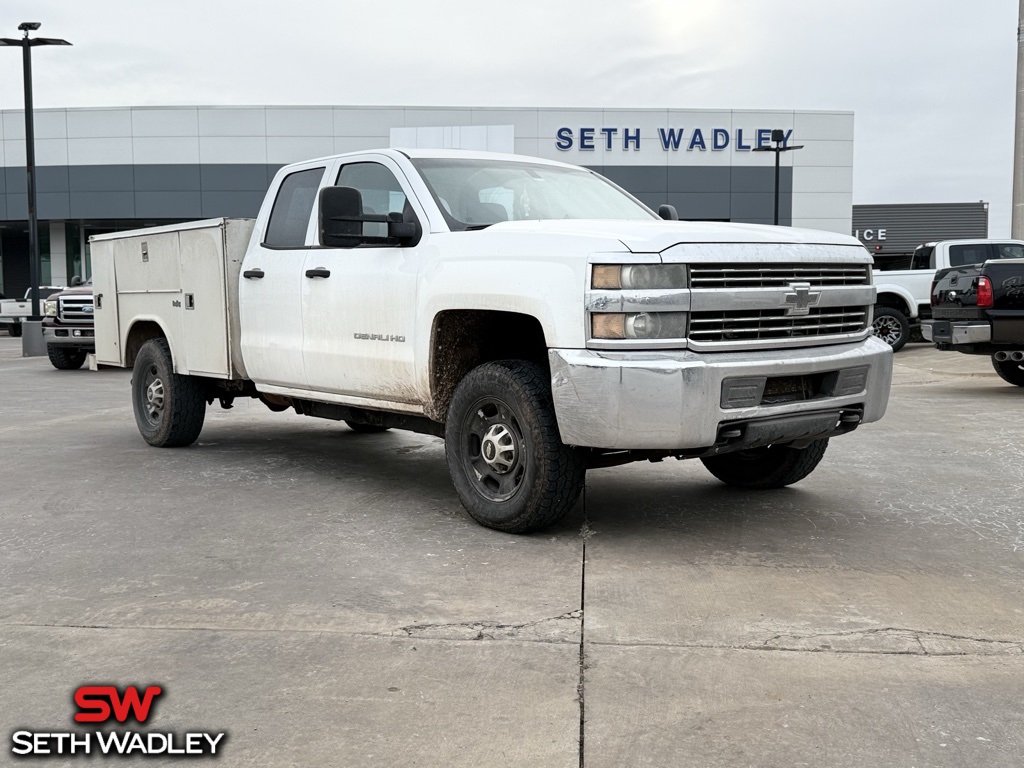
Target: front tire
773,466
65,359
1009,371
507,460
14,329
891,326
169,408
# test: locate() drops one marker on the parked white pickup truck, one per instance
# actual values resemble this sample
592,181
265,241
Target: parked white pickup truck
533,314
904,295
14,311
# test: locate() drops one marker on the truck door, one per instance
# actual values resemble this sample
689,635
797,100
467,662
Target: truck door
269,291
359,304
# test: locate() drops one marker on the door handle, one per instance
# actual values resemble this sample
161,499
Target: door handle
318,272
253,274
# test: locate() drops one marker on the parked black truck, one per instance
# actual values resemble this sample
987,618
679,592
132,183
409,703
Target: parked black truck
978,309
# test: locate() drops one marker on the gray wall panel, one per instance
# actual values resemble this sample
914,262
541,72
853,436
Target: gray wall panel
746,179
639,178
101,178
216,203
909,225
53,205
183,191
748,206
17,206
169,204
700,205
167,178
103,205
698,179
231,177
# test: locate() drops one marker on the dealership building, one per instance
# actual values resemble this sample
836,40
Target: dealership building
109,169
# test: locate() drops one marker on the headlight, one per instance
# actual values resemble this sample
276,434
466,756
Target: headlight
50,308
639,276
639,325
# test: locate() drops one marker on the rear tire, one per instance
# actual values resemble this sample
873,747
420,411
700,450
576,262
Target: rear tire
891,326
1009,371
366,429
507,460
169,408
773,466
14,329
65,359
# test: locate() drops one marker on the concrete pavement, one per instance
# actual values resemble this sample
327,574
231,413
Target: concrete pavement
320,595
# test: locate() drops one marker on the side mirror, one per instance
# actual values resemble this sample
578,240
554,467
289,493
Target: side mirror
343,223
340,217
668,212
76,281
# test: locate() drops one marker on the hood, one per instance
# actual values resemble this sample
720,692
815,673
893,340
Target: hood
657,236
78,290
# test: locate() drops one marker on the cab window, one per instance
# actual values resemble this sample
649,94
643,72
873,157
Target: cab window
293,206
959,255
380,190
1009,251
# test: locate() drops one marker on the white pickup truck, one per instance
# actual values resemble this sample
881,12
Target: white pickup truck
904,295
533,314
14,311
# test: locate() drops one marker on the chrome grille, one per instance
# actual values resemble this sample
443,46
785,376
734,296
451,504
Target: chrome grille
752,325
777,275
75,309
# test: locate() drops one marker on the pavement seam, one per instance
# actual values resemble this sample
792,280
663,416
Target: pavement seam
585,534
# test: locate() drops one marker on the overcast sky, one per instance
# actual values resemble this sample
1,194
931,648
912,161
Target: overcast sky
932,84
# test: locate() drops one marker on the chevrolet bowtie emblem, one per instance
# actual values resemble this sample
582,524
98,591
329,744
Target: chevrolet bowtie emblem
800,300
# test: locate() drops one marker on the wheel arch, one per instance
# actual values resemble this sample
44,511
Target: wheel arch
142,330
462,339
898,298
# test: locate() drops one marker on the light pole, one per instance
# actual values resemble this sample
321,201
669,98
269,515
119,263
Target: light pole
779,137
26,44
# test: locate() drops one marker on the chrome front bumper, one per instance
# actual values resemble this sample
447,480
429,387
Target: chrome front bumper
950,332
681,399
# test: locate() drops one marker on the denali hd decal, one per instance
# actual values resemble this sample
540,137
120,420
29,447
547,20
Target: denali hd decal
669,139
379,337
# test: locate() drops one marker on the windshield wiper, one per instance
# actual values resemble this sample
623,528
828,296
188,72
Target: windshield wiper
474,227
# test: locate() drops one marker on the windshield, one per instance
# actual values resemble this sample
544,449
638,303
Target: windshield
474,194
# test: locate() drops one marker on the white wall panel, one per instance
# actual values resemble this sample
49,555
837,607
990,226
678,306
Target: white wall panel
822,179
14,125
165,121
358,143
292,149
160,150
232,121
416,117
232,149
501,138
352,121
50,124
527,147
841,225
824,153
524,121
14,152
822,205
50,151
99,123
116,151
834,126
287,121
